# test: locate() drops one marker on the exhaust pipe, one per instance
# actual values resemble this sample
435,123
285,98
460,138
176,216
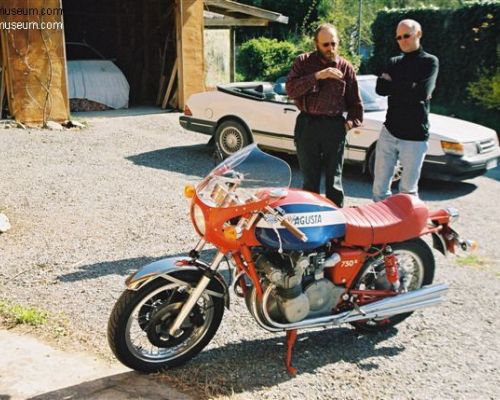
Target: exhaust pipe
426,296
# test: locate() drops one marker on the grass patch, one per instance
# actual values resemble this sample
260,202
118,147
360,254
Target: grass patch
16,314
479,263
472,260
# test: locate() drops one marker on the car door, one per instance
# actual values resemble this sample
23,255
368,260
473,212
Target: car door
360,139
273,124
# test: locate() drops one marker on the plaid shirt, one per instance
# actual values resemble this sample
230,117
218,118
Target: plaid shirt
329,97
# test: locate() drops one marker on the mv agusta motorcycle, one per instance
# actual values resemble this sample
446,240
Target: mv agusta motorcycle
299,262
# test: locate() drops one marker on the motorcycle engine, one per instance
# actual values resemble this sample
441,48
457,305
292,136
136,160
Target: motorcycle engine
302,291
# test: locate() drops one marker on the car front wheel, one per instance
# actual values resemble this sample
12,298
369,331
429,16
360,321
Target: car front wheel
230,137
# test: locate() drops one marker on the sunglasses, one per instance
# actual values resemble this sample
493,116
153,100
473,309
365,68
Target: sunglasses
328,44
405,36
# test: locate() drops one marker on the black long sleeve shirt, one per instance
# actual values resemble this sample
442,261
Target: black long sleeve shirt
413,80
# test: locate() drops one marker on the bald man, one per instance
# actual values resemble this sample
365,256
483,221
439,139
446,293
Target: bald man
324,87
408,80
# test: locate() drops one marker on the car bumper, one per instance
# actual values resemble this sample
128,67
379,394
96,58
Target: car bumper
197,125
456,168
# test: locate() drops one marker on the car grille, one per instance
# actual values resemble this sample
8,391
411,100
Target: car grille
485,146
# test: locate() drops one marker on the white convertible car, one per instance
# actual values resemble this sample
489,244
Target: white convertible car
237,114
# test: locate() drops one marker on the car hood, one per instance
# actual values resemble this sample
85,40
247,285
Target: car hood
447,128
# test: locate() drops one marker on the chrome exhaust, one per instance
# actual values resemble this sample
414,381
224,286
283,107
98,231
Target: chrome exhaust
406,302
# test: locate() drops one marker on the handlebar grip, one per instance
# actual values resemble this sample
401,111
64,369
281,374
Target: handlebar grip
294,230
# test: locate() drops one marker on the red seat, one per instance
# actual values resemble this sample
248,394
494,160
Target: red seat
395,219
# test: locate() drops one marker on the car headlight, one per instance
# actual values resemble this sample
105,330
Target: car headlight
459,149
198,219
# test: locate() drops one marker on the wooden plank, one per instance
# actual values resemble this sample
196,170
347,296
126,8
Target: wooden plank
161,86
170,85
227,22
226,6
173,102
6,64
2,91
2,79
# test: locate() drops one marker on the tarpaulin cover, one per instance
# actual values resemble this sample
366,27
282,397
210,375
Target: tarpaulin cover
98,80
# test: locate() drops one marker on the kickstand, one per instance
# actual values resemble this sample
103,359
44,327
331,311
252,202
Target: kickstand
291,338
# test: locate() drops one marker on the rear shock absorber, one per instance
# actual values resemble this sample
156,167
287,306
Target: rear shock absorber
391,267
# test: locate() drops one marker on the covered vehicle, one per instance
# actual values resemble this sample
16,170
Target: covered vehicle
92,77
237,114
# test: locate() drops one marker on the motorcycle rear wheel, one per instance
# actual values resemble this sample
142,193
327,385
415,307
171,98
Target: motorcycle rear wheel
139,323
416,265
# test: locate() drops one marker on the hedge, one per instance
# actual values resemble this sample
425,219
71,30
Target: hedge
466,41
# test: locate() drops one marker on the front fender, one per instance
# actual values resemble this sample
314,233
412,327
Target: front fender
167,267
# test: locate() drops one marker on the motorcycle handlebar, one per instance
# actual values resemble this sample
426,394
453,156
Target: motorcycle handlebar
294,230
288,224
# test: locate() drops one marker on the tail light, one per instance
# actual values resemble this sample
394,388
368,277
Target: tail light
187,111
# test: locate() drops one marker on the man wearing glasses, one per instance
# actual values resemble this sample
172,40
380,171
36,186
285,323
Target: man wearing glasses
324,86
408,81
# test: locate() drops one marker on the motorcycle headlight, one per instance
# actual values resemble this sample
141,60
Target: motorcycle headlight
198,219
459,149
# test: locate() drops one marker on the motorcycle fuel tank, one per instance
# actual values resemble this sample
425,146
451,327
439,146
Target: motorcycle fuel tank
314,215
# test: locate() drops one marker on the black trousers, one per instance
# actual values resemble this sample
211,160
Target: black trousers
320,143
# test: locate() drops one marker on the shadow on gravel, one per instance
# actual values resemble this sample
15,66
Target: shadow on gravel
121,267
194,160
438,190
126,267
197,160
128,385
494,174
253,365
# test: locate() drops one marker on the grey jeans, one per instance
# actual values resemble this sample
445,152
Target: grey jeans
411,156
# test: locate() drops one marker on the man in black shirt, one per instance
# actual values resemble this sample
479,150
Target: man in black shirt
408,81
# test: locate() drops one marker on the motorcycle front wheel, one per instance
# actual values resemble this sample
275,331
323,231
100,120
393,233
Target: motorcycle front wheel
416,269
140,320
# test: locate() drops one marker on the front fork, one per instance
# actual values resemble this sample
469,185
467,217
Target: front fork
175,330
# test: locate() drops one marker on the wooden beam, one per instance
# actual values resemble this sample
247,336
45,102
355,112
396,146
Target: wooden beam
232,60
227,5
2,85
227,22
170,85
190,49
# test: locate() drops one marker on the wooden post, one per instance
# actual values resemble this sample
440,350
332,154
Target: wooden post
232,59
170,85
2,91
190,52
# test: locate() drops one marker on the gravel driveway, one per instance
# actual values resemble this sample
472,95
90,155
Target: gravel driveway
88,207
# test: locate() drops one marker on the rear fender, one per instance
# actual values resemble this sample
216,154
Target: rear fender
167,268
439,244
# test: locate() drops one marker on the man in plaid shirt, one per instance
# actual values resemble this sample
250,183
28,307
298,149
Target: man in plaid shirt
324,87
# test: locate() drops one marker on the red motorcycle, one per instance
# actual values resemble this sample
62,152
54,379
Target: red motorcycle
300,262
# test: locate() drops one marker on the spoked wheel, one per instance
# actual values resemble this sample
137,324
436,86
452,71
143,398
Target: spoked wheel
230,137
416,269
140,321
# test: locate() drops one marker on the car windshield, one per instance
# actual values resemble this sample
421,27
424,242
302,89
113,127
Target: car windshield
244,177
371,100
